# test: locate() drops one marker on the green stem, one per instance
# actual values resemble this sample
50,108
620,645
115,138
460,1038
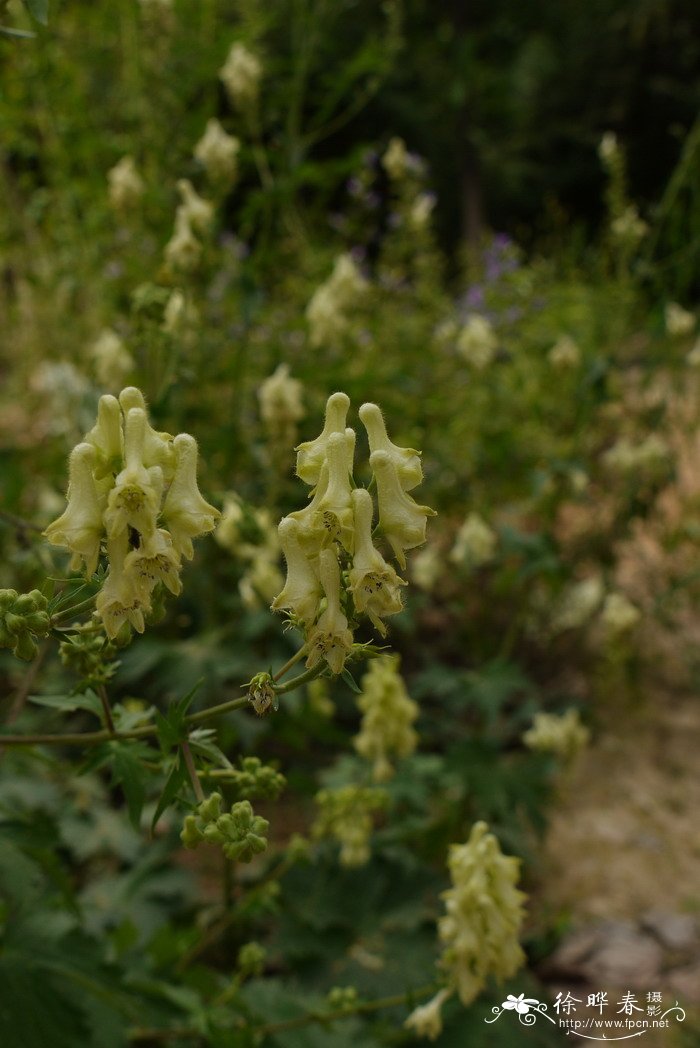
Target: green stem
94,738
291,662
192,771
361,1008
70,613
303,678
102,692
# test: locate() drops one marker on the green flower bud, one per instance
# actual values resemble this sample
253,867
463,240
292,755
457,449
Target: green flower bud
251,959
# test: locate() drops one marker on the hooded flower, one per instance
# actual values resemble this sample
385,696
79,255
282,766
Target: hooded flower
426,1019
402,520
121,600
154,561
375,586
134,501
330,639
107,438
312,453
406,460
79,528
186,513
302,590
157,448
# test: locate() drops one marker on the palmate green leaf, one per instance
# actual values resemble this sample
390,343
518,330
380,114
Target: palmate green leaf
129,772
172,729
175,780
70,703
38,9
34,1012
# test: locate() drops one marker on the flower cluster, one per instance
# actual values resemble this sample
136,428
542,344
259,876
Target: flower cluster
135,490
334,570
475,543
477,342
111,358
255,779
217,152
126,185
564,354
346,815
240,833
619,614
647,456
484,912
193,217
281,408
388,716
23,617
679,321
563,735
250,535
331,302
241,75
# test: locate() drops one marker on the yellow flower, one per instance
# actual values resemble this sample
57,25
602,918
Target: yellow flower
154,561
186,513
157,448
218,152
134,501
406,460
312,453
107,438
402,520
79,528
375,584
196,211
120,600
330,639
426,1019
302,589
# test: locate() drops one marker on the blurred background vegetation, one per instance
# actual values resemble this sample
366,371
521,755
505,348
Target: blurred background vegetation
527,273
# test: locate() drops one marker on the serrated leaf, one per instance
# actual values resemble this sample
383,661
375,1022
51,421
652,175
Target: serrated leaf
172,728
173,783
129,772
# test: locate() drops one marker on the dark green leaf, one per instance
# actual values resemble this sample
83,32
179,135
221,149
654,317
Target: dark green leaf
38,9
129,771
173,783
351,682
70,703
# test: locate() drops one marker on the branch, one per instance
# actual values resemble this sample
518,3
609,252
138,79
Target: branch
94,738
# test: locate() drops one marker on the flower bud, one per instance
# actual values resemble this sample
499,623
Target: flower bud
218,152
